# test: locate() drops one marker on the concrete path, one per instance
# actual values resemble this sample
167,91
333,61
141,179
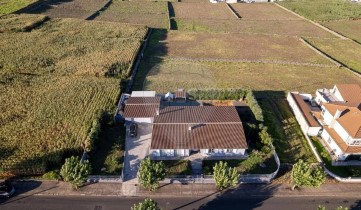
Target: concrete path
196,163
136,149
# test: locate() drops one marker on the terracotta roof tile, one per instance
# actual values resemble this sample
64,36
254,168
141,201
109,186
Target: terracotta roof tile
140,111
143,100
350,92
305,110
341,143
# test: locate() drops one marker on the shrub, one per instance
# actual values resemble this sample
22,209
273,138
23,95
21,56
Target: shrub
150,173
75,172
254,106
224,175
147,204
217,94
51,175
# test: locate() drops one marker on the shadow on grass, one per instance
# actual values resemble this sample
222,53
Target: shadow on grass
156,47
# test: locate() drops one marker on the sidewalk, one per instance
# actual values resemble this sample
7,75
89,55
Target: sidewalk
29,188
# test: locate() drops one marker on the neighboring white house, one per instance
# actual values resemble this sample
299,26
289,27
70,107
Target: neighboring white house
302,110
340,117
210,130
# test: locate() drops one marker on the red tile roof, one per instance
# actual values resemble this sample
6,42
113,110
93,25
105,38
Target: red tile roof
197,114
143,100
350,92
212,127
140,111
341,143
305,110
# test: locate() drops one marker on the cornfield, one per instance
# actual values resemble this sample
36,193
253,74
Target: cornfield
52,88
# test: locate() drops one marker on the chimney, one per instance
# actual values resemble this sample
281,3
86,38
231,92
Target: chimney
157,111
335,117
190,128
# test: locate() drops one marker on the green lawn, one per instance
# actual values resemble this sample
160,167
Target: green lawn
289,140
177,167
9,6
248,166
324,10
343,171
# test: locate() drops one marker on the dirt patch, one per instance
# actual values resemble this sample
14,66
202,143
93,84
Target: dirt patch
202,11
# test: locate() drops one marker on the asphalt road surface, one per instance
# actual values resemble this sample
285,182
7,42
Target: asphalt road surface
219,203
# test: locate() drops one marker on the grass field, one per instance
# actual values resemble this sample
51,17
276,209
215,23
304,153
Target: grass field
9,6
344,51
262,12
348,28
53,89
152,14
69,9
230,47
165,75
250,27
324,10
20,23
202,11
289,141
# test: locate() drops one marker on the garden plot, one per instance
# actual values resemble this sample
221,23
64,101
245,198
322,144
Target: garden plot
151,14
300,28
202,11
344,51
223,47
69,9
164,75
348,28
53,92
263,12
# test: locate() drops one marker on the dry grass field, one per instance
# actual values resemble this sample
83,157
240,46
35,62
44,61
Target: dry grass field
69,9
344,51
235,48
202,11
60,48
17,23
151,14
53,89
165,75
262,12
348,28
300,28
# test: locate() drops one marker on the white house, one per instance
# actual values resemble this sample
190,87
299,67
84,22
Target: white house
340,118
211,130
305,116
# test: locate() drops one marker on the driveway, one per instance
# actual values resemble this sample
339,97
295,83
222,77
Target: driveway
136,149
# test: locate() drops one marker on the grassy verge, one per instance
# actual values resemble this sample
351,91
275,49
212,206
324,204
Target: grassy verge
9,6
177,167
343,171
322,10
252,165
289,140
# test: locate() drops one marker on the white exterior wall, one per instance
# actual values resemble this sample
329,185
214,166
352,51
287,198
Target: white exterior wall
337,94
170,152
140,120
327,116
341,131
219,152
319,99
311,131
332,144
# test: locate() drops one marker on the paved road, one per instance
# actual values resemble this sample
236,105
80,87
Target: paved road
223,203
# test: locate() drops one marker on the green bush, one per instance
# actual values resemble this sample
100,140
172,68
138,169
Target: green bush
52,175
217,94
254,106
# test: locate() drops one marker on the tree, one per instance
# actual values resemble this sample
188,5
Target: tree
75,172
150,173
224,175
266,140
147,204
304,175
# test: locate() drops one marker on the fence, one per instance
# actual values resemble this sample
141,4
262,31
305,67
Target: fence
208,179
109,179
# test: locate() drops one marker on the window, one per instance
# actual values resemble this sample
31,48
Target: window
229,150
329,140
